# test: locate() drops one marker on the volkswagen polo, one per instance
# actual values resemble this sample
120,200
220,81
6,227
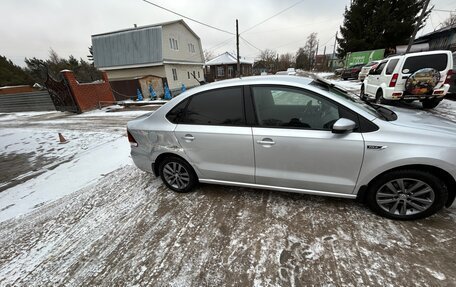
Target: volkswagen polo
295,134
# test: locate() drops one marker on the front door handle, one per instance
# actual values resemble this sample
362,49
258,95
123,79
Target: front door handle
188,138
266,141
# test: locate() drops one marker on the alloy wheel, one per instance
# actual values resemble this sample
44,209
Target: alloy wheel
405,196
176,175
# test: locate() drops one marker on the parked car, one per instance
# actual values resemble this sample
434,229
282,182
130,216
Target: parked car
351,72
365,70
423,76
295,134
338,71
452,89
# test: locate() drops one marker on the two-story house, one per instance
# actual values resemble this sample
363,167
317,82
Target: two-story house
168,50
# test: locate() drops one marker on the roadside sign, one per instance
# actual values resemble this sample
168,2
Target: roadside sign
364,57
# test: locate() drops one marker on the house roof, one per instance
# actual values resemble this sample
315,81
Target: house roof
226,59
150,26
436,33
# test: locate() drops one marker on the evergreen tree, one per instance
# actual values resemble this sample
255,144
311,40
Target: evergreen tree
83,70
378,24
11,75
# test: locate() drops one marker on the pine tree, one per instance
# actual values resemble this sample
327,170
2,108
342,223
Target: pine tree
11,75
378,24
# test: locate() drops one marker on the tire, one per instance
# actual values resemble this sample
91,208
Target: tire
177,174
379,97
344,79
430,104
362,95
422,195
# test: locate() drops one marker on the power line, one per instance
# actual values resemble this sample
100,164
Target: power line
442,10
188,18
250,44
256,25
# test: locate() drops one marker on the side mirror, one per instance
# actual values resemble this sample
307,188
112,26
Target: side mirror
343,125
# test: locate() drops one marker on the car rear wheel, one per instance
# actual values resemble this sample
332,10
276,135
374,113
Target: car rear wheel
379,98
177,174
430,104
406,194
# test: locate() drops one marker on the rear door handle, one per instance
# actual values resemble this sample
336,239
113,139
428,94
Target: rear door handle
188,138
266,141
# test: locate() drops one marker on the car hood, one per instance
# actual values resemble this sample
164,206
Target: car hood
423,120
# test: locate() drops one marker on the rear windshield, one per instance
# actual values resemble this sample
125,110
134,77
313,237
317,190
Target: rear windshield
435,61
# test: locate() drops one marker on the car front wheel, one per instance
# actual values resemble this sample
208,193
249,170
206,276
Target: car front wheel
362,93
406,194
177,174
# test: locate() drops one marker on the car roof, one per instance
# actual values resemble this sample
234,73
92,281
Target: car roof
255,80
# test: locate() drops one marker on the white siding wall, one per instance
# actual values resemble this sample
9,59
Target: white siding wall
182,75
184,37
124,74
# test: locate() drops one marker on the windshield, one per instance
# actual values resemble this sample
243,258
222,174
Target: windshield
375,110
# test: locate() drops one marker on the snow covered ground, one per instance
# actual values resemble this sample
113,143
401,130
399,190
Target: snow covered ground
80,214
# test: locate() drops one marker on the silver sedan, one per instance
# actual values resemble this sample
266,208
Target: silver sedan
302,135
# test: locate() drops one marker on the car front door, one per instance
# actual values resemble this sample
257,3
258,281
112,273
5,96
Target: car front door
214,135
294,144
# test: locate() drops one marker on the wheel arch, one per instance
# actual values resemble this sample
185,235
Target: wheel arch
164,155
443,175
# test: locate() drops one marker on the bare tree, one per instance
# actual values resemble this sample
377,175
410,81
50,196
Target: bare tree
268,59
450,21
285,61
208,55
310,49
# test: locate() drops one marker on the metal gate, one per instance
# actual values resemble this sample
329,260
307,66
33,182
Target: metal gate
61,95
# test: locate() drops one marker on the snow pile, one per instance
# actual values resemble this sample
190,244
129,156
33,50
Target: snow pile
81,162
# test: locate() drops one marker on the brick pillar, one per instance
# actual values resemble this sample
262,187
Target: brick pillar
104,76
72,84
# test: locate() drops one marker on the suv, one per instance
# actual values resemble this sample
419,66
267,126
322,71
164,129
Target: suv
393,77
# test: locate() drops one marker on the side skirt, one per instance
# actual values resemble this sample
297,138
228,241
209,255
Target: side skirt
279,188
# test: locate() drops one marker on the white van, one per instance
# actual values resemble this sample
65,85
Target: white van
388,80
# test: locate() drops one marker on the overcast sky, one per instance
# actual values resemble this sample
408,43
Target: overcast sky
29,28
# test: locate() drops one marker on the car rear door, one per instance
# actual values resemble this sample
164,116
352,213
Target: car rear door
214,135
294,145
374,80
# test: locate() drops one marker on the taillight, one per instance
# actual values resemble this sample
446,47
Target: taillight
131,139
448,77
393,81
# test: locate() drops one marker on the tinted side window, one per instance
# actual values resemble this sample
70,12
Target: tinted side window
217,107
177,113
293,108
391,65
436,61
380,68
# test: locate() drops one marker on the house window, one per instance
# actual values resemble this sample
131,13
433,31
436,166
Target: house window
188,75
220,72
198,74
191,48
173,44
230,71
174,74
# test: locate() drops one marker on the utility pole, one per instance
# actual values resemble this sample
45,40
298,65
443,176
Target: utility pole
334,51
420,19
238,72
